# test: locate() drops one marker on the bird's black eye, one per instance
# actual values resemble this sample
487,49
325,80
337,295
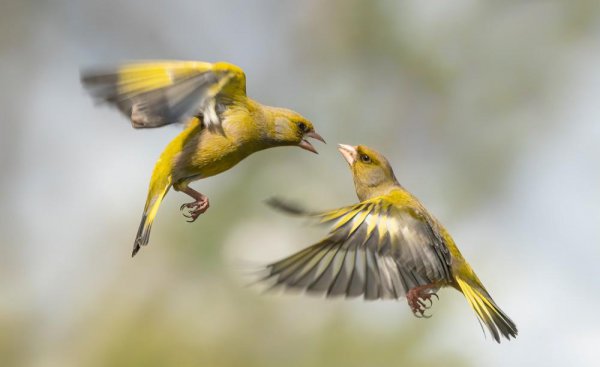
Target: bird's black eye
365,158
302,126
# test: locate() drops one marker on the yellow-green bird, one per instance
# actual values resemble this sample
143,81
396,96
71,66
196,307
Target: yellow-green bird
223,127
386,246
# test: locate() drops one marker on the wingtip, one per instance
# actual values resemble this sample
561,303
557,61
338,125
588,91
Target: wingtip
98,77
271,201
286,207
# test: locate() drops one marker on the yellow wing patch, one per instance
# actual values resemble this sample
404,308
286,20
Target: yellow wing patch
139,78
153,94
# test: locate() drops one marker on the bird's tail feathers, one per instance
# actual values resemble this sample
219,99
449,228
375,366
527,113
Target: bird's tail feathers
158,190
488,313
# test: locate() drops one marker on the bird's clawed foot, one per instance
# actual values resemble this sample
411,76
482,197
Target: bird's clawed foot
419,300
193,210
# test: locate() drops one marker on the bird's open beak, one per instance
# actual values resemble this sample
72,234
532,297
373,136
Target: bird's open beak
305,144
349,153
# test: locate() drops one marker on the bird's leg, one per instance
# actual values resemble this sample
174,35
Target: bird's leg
194,209
417,297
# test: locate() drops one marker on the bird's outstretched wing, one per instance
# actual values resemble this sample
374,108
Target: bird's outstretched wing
154,94
374,249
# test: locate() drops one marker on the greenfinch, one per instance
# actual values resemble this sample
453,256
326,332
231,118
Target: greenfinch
385,247
223,126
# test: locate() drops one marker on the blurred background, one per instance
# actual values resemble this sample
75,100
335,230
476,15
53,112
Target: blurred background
487,111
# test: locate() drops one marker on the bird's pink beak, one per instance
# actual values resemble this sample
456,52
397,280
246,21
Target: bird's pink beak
349,153
306,145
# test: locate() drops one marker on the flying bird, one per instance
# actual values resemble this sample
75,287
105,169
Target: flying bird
222,124
385,247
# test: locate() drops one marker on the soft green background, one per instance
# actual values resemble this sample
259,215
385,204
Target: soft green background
489,112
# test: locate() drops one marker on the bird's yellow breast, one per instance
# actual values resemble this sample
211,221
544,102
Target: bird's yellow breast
199,153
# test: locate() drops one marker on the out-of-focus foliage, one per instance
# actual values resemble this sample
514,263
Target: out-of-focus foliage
487,111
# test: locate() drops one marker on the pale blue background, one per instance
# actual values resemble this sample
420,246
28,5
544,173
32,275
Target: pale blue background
488,112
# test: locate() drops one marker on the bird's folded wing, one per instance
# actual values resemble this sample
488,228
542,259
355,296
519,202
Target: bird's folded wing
154,94
374,249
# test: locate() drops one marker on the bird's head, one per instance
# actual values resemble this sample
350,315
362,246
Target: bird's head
290,128
372,173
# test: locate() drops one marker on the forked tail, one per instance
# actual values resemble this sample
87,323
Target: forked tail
158,189
488,313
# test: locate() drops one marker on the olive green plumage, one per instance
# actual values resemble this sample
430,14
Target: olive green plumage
386,246
223,125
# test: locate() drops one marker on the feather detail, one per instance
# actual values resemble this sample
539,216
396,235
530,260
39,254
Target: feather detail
366,253
488,313
153,94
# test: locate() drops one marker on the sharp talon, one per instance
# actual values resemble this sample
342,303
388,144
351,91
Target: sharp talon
430,303
420,300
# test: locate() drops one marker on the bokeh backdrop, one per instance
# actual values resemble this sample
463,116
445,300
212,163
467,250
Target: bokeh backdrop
488,112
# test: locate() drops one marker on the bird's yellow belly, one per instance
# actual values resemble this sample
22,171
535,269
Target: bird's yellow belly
203,153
